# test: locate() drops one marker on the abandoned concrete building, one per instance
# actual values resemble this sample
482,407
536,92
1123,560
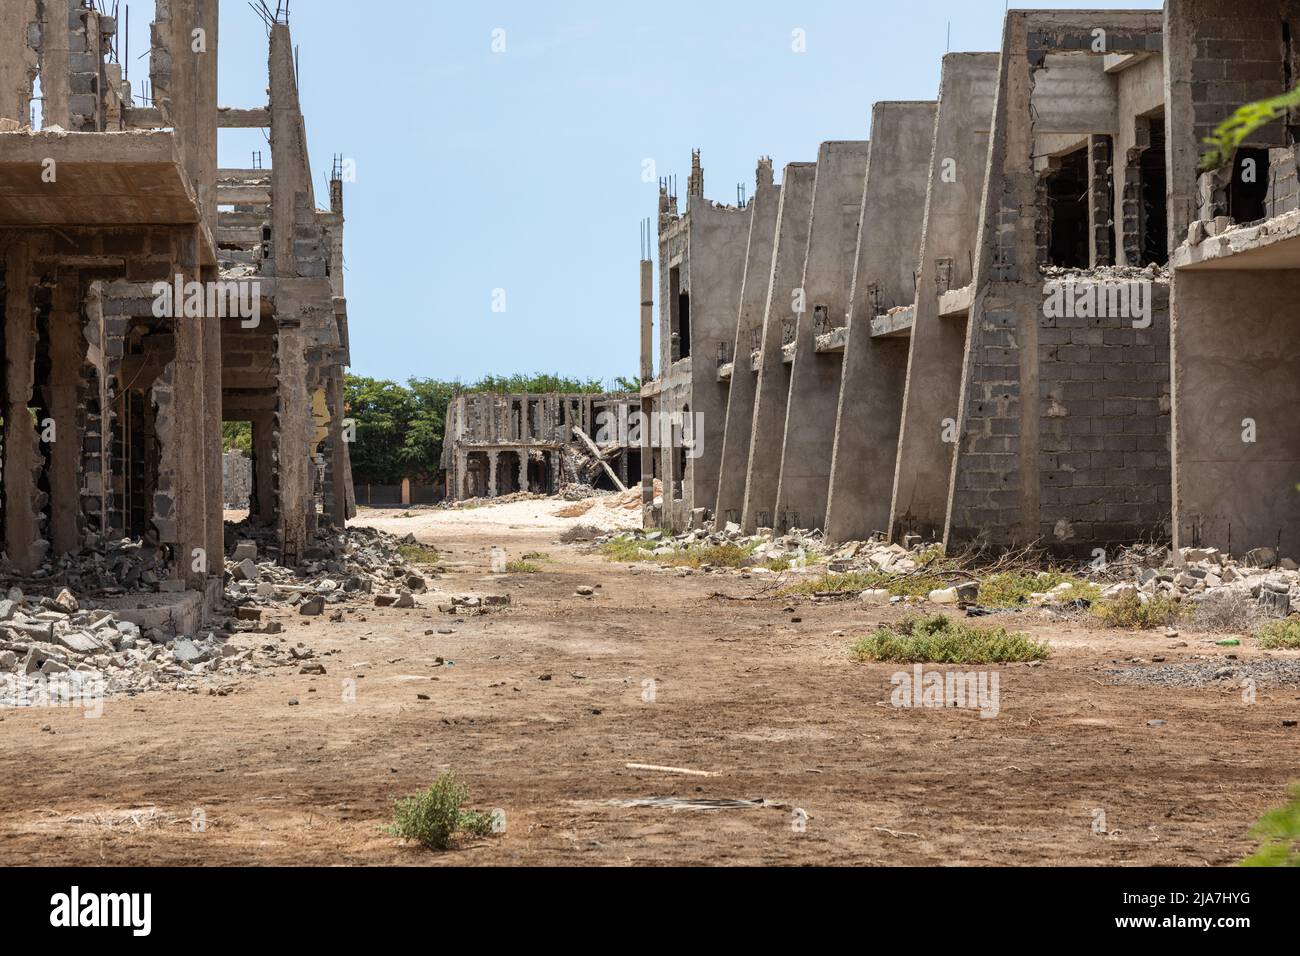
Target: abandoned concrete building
498,443
149,295
1017,314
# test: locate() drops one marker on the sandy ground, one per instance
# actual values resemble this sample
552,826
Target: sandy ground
545,704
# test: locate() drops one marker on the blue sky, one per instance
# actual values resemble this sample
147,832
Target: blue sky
522,170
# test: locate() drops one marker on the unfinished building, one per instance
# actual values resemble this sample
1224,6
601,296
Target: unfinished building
1236,278
501,443
1001,334
148,296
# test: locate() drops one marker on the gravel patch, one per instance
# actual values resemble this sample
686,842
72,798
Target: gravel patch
1218,673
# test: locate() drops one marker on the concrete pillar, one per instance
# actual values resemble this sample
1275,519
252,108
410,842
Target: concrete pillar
647,321
764,467
492,474
185,87
923,465
62,399
56,80
294,427
804,483
264,468
523,469
744,382
406,491
17,60
188,440
1100,202
22,464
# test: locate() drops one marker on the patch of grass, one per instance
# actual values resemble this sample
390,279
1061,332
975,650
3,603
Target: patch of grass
1132,613
1280,635
898,585
939,639
626,548
433,817
418,554
522,567
1013,588
776,564
1279,834
537,556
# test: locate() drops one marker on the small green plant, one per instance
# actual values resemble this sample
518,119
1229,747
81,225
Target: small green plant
1132,613
1280,635
433,817
1279,834
1232,132
1013,588
939,639
418,554
522,567
627,548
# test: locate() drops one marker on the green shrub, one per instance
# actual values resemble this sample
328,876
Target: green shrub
1013,588
433,817
418,554
1131,612
1280,635
521,567
939,639
627,548
1279,834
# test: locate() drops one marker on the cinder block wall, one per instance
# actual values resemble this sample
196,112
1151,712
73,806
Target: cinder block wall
1220,54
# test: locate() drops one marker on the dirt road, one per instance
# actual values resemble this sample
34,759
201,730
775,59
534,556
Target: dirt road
542,706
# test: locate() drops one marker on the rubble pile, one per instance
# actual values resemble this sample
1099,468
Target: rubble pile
1267,584
44,640
339,566
59,642
100,569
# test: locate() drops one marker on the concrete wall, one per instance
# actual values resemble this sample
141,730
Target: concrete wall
923,466
1236,347
995,493
767,435
744,381
834,227
884,276
719,237
1220,54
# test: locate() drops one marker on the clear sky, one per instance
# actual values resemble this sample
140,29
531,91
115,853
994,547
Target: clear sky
522,170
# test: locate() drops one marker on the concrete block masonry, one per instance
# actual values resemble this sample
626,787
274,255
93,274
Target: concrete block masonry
1014,332
136,394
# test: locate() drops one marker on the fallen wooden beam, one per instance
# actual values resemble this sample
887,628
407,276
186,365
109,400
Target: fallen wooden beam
591,446
681,770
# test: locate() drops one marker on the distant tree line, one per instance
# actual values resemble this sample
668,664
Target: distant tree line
400,428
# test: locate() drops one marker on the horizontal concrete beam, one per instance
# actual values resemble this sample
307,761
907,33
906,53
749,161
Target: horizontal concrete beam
231,118
896,324
144,117
243,195
99,179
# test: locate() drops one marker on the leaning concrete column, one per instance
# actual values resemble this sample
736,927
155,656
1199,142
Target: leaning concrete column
62,400
804,483
22,464
294,423
773,389
749,321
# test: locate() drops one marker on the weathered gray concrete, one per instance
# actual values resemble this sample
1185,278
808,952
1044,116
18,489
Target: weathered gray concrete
1236,377
804,482
744,379
719,237
923,464
996,491
763,472
888,249
17,60
23,502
